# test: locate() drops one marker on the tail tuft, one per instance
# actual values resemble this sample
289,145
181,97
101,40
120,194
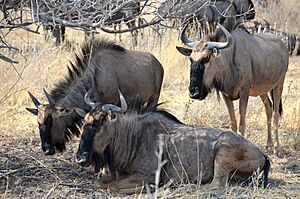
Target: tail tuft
266,170
272,103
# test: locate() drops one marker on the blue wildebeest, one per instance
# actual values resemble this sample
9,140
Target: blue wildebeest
209,13
193,154
288,38
245,65
106,66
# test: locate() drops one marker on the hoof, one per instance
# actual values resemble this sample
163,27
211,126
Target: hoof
270,148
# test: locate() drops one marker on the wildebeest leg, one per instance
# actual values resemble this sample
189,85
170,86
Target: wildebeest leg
277,91
297,47
221,171
115,28
120,39
269,111
131,184
235,155
244,96
134,33
230,108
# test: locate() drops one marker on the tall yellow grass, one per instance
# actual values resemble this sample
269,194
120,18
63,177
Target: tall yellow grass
42,64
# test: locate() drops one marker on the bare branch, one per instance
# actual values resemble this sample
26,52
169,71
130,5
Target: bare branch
4,58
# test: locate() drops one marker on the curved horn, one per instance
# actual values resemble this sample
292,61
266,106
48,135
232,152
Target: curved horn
221,45
113,108
34,100
186,41
50,99
88,101
124,106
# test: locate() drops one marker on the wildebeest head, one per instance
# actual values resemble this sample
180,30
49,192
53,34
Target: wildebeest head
54,123
97,125
204,57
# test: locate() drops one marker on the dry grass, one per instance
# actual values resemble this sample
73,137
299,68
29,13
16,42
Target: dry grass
26,173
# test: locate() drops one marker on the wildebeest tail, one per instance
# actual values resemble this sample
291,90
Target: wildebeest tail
272,103
266,169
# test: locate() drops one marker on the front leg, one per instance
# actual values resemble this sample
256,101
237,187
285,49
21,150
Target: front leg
130,184
244,96
230,108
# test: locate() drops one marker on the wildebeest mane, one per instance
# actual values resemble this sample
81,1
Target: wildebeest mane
139,106
81,63
73,129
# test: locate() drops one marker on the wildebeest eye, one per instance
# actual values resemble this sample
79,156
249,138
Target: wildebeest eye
95,122
205,59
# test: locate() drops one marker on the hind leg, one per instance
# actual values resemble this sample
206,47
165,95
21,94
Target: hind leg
268,109
236,154
221,168
277,92
230,108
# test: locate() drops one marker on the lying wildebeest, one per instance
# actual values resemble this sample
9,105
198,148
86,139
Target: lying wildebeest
107,67
246,65
194,154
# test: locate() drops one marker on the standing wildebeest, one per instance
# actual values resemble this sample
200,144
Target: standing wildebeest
194,154
246,65
126,14
107,67
214,12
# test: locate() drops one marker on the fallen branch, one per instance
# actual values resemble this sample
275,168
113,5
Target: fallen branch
6,59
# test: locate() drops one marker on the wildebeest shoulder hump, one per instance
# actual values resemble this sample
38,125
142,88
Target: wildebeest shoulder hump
76,69
139,106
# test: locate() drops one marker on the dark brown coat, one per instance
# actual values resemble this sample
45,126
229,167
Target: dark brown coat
193,153
245,65
105,66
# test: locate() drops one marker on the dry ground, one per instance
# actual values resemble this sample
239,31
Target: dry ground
26,173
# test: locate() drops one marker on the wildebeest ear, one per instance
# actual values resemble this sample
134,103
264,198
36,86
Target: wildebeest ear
64,111
215,52
80,112
34,111
112,117
184,51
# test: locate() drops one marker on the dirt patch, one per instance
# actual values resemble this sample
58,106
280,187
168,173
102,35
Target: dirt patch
26,173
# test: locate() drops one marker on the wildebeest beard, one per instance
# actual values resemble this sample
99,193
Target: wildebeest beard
197,89
98,159
104,160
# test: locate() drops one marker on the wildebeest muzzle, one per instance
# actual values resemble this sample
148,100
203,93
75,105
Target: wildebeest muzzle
45,134
196,88
48,149
84,152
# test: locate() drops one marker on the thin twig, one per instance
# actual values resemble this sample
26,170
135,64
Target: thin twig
44,167
161,163
50,191
17,170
